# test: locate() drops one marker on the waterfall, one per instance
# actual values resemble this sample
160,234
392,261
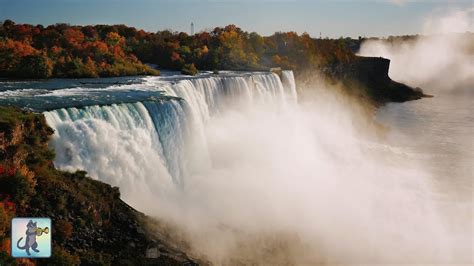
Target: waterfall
240,169
153,145
288,80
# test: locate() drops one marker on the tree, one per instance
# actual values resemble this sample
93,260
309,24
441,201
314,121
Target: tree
73,37
8,23
113,39
35,66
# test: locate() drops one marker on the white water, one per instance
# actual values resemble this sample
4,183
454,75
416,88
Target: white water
247,175
157,142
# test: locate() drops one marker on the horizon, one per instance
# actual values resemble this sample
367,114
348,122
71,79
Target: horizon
318,19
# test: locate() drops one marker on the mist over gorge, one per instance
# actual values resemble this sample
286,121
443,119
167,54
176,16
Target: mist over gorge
439,60
246,174
225,147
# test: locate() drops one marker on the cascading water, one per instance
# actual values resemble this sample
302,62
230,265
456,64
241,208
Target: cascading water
248,175
288,80
111,141
157,142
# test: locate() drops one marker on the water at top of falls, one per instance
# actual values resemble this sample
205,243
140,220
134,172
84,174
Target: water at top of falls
43,95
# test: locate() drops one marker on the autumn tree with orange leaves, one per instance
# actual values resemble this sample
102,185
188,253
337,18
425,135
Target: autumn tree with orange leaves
62,50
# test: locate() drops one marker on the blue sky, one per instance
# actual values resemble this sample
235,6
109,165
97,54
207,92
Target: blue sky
331,18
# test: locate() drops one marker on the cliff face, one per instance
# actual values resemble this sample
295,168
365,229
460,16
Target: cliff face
369,76
91,224
370,68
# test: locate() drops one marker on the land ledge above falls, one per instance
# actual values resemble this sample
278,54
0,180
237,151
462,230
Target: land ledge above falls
370,75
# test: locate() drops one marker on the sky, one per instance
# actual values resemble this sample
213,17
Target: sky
330,18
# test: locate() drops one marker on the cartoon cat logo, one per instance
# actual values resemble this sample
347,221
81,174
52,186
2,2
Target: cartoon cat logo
30,240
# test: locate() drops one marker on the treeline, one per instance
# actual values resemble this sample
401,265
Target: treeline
62,50
233,49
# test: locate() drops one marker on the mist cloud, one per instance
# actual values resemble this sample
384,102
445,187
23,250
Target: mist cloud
300,186
439,62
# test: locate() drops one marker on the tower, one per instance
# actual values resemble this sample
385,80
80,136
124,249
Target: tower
192,28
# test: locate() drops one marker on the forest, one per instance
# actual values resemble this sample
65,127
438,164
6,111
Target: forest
67,51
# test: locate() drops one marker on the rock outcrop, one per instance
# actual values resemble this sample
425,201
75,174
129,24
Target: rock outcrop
369,76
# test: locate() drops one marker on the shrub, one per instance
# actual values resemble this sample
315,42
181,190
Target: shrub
63,230
4,222
62,257
18,186
96,258
6,259
189,69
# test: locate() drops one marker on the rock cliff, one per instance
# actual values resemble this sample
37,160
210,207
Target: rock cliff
370,76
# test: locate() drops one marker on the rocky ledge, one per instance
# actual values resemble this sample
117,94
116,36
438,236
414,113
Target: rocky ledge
368,76
91,224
